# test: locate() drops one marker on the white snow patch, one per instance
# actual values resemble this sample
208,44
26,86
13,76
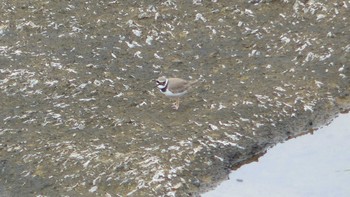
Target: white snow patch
200,16
93,189
137,33
76,155
213,127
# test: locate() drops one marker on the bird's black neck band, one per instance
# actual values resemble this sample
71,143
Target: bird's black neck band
165,87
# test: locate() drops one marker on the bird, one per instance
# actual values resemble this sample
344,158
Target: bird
174,88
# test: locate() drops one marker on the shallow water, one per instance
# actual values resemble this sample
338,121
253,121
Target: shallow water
312,165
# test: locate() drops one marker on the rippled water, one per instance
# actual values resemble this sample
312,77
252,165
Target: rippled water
312,165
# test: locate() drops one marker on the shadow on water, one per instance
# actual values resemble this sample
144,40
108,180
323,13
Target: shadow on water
312,165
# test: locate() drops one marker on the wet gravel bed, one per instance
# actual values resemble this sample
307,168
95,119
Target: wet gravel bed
81,116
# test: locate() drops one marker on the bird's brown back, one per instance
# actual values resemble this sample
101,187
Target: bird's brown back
177,85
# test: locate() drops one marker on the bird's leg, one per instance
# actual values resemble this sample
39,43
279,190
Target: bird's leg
176,104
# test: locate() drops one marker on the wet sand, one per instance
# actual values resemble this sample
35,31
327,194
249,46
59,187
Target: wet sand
80,114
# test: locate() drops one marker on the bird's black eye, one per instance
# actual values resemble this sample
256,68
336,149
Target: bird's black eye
160,83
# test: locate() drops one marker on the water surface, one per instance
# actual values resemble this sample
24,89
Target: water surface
312,165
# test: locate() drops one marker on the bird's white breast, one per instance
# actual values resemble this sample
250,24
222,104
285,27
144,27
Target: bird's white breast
170,94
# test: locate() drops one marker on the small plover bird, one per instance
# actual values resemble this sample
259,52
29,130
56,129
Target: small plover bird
174,88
